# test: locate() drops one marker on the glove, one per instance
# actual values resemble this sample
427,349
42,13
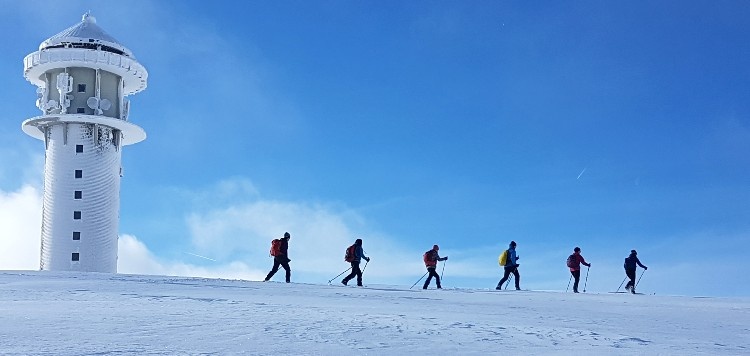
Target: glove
645,267
367,259
446,258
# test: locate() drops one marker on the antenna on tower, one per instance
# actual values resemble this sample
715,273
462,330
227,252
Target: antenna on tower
87,17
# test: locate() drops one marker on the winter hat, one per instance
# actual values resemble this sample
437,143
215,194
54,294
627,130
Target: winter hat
632,252
286,235
512,243
435,247
358,242
577,249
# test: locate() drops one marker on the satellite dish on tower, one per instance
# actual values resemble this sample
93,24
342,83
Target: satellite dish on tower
105,104
93,102
98,105
52,104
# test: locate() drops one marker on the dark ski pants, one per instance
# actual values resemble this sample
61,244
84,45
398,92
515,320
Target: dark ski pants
631,274
356,272
282,261
508,271
431,271
577,276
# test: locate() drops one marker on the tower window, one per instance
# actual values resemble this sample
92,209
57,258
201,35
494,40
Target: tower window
81,88
80,111
79,173
76,235
76,257
78,194
76,215
79,148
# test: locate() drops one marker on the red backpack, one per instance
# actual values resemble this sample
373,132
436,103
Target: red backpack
350,252
572,259
429,257
275,247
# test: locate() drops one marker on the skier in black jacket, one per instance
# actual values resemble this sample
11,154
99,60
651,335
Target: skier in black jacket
282,259
630,266
431,259
357,257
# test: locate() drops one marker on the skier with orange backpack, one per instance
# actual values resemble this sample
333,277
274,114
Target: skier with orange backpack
354,255
279,251
431,259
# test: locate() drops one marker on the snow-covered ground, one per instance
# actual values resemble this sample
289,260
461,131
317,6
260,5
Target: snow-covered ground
82,314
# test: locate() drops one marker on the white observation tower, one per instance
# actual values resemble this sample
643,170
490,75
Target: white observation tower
83,76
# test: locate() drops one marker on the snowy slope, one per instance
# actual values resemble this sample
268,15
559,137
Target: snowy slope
78,314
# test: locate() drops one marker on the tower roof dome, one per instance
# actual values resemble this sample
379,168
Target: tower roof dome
86,34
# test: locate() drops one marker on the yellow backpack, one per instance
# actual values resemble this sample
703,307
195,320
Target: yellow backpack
503,258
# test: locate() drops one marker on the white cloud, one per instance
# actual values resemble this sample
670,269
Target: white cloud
320,234
135,258
20,228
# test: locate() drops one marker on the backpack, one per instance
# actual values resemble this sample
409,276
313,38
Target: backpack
350,252
572,261
275,247
503,259
429,256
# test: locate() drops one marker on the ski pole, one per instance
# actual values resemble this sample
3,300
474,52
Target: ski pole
420,278
347,270
639,278
443,271
569,279
508,282
365,267
587,278
623,282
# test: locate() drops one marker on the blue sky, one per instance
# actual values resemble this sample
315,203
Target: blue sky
467,124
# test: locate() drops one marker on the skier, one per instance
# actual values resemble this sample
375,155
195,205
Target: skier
511,267
431,259
574,263
358,254
630,266
281,258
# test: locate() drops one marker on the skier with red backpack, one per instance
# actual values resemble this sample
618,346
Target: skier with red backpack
431,259
279,251
354,255
574,263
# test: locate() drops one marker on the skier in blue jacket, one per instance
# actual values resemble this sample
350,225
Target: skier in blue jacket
511,266
359,255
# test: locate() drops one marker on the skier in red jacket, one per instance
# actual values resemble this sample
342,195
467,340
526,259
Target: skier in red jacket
574,263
